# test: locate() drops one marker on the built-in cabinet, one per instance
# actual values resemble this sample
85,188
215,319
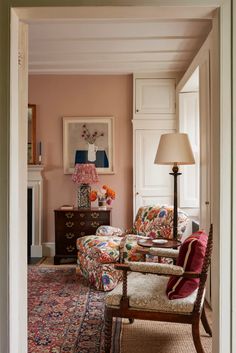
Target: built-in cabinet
154,115
154,96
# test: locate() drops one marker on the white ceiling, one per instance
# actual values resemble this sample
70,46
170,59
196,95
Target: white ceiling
116,46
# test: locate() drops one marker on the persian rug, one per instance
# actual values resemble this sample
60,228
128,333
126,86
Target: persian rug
64,314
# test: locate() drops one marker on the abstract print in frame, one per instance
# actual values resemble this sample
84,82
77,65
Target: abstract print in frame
88,140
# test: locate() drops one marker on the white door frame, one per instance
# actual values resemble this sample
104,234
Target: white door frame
222,341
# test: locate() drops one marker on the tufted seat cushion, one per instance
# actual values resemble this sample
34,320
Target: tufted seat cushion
151,296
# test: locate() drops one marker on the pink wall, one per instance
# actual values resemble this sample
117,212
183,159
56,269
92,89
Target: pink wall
82,95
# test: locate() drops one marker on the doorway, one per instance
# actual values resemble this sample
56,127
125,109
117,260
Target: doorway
18,177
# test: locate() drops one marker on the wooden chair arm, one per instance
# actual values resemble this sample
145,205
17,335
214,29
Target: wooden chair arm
168,253
158,269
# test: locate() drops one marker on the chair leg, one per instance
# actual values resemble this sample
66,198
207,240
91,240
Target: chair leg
205,322
196,336
108,331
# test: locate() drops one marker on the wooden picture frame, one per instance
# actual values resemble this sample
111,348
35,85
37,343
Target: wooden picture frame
88,140
31,133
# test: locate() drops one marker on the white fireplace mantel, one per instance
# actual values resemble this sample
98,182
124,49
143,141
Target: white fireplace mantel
35,182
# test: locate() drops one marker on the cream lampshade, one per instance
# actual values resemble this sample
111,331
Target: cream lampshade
174,149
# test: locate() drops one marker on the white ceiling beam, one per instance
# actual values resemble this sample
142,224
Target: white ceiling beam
124,29
158,11
115,57
117,45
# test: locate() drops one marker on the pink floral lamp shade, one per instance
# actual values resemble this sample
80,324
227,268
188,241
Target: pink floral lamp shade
85,174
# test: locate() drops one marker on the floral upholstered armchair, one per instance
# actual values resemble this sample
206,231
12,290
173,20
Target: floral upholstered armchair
98,254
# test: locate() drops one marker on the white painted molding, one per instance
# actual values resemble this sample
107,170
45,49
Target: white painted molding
35,182
48,249
149,124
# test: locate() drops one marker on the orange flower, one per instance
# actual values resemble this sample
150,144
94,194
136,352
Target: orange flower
105,187
93,195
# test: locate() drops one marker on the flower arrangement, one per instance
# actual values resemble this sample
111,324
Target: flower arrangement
105,194
90,138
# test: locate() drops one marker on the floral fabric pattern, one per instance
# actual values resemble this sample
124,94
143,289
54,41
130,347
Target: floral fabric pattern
157,221
101,276
97,254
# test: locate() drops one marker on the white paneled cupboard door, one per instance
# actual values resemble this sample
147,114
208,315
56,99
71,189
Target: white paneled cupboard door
154,96
152,183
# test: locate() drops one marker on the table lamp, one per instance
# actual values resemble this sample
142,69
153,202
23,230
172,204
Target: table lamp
84,175
174,149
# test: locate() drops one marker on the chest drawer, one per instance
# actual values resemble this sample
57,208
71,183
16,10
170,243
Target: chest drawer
70,225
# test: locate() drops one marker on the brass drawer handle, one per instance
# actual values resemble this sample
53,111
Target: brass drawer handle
69,214
70,248
82,215
82,223
82,233
94,214
69,235
69,224
95,224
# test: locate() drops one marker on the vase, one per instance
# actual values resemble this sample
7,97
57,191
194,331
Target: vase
92,150
102,204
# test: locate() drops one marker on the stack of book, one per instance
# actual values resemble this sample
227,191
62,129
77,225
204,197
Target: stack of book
67,207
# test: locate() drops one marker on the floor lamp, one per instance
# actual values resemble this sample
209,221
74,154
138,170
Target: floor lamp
174,149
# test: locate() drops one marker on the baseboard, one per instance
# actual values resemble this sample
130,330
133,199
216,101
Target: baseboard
48,249
36,251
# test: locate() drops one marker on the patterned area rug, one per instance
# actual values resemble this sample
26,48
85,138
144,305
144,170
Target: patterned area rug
64,314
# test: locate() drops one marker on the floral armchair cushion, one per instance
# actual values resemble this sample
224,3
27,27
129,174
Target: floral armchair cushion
157,221
98,253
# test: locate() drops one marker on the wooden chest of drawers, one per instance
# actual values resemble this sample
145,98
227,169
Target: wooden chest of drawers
70,225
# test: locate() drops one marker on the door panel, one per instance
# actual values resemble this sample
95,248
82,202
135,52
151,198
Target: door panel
153,184
155,96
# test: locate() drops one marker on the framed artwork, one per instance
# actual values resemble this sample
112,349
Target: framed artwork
88,140
31,133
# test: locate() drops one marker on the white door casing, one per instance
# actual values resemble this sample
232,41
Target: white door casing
189,123
18,186
205,143
222,186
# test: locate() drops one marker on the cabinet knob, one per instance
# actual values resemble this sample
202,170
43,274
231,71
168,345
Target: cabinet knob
137,110
70,248
95,224
69,235
69,215
207,203
137,193
69,224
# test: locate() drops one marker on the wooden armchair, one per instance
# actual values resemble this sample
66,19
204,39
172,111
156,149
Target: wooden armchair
145,296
